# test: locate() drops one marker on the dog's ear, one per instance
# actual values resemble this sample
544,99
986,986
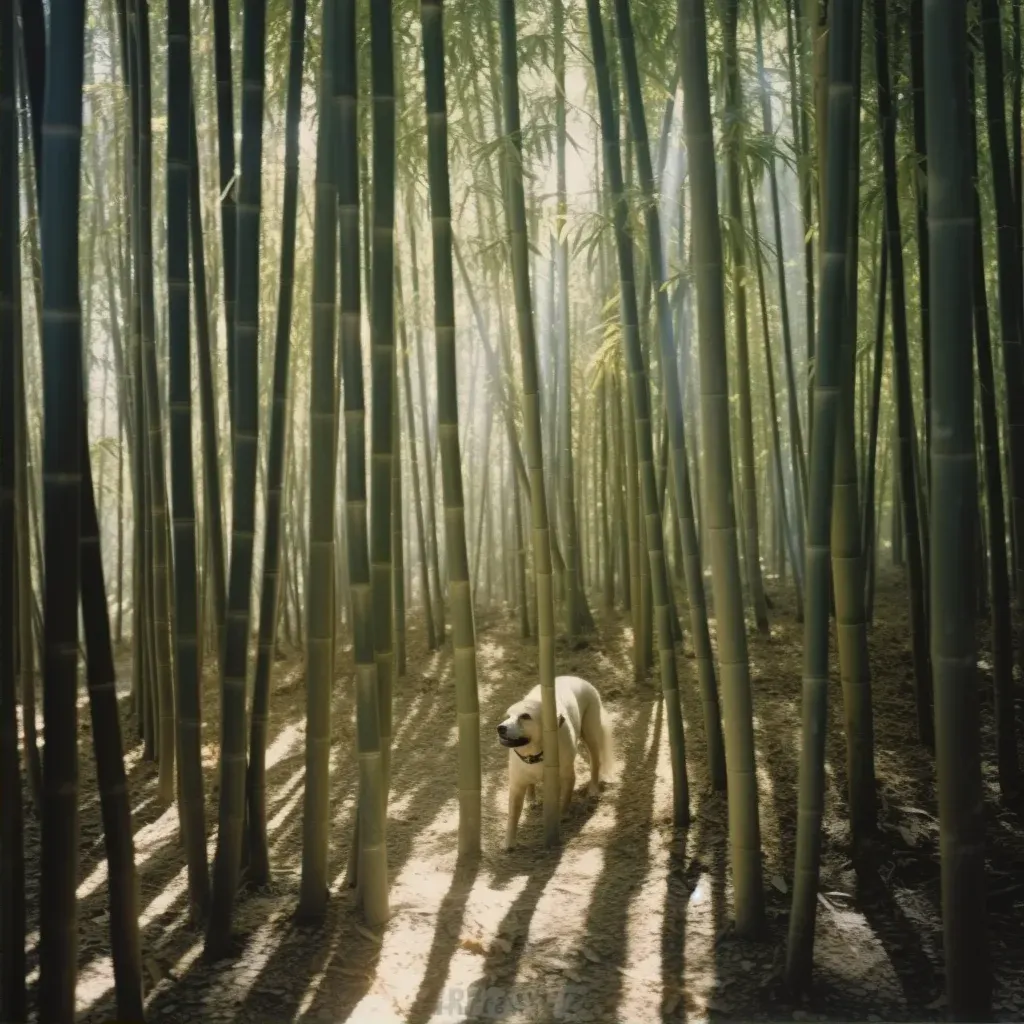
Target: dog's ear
561,720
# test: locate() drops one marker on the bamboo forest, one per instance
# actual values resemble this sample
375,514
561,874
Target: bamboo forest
648,374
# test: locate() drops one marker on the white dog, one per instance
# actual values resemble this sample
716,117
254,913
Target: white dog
580,717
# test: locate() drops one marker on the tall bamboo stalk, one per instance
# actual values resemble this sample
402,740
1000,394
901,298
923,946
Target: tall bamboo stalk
640,394
382,364
516,203
954,482
904,397
744,826
13,1003
368,860
320,595
63,390
463,629
259,857
188,733
234,668
833,297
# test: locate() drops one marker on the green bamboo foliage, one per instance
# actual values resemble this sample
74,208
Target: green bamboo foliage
368,845
832,313
62,424
12,855
716,477
320,595
236,633
190,799
737,240
382,364
259,858
516,203
463,628
640,393
954,481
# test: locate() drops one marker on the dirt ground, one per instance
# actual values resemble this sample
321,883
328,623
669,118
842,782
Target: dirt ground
627,922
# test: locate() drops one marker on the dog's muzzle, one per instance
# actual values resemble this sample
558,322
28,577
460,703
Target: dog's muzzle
510,741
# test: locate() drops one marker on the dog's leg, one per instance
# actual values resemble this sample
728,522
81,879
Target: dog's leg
594,786
515,808
568,782
593,737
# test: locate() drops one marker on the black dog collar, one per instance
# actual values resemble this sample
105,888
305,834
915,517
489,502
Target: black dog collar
530,758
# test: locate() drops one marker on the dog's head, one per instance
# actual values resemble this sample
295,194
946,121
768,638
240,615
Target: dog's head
522,726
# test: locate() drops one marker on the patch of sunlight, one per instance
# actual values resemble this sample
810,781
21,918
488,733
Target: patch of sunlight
259,949
839,931
148,840
699,969
317,979
132,758
95,980
100,840
417,897
410,717
281,793
286,808
488,654
485,691
573,882
661,798
154,835
399,805
445,824
765,790
187,959
285,743
483,924
642,957
165,899
344,808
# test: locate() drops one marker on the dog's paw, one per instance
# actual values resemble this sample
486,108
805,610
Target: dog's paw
593,790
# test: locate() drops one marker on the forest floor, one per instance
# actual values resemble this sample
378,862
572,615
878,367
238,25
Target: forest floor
626,922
